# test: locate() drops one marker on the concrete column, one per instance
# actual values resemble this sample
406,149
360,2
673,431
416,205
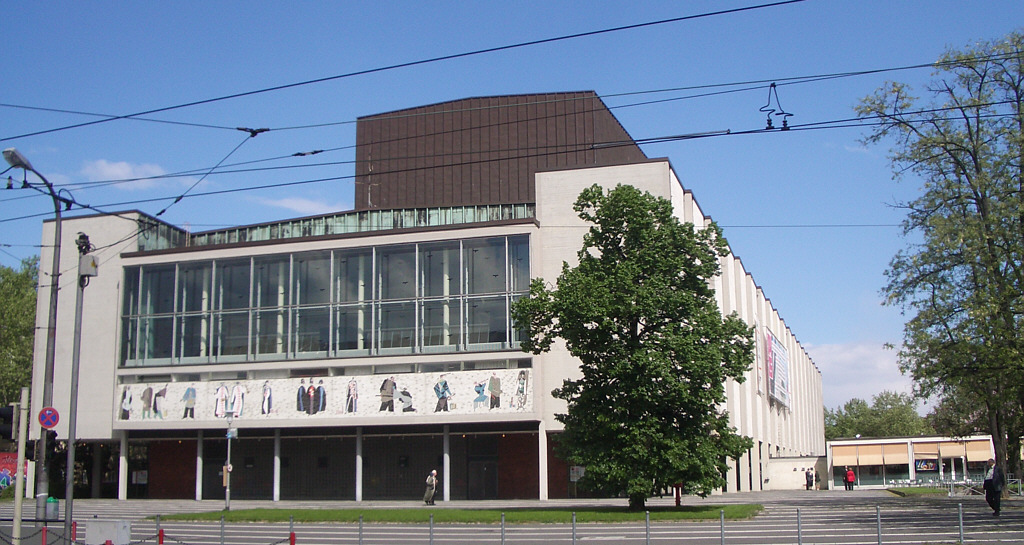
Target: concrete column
359,463
542,460
199,465
277,464
122,468
447,477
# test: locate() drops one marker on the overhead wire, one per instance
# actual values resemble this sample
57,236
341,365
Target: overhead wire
414,63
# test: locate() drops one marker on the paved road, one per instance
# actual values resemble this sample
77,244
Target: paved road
790,517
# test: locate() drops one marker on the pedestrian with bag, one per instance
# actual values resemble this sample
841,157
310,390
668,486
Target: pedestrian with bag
428,496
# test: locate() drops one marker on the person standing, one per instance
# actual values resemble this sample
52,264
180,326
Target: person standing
994,483
809,478
428,495
851,478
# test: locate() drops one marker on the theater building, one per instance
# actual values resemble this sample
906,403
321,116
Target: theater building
353,352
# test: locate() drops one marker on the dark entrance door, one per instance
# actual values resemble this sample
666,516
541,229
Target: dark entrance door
482,479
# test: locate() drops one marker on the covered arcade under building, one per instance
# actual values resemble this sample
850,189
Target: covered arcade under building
356,351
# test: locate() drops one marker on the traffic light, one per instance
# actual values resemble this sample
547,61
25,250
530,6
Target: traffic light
7,430
51,445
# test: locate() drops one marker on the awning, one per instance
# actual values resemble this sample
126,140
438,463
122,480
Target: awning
869,455
952,450
979,451
896,454
844,455
926,451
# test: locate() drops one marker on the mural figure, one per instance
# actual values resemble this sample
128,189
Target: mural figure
220,401
406,399
387,395
190,402
494,390
237,400
300,398
159,402
147,402
352,396
311,407
519,401
268,398
481,397
442,392
320,397
126,404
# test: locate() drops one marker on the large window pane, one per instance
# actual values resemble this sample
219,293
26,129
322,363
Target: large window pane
155,338
194,336
231,334
439,269
353,272
271,331
312,279
485,265
519,259
194,286
487,322
233,284
442,323
129,327
312,329
270,282
130,304
352,328
157,290
396,272
397,325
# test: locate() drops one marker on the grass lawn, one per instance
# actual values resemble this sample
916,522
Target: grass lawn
919,491
480,516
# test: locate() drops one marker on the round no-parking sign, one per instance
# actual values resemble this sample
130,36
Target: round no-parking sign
48,417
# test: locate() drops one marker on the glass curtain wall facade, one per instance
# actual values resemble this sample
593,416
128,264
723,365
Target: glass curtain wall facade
446,296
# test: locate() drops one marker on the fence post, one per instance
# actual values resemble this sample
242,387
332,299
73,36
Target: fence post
159,531
222,530
291,529
573,529
74,530
721,525
878,522
360,530
647,526
799,529
960,508
431,529
502,528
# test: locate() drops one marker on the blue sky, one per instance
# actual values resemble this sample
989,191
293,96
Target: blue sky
809,212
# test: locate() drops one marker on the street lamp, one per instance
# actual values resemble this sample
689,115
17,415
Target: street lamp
86,269
17,160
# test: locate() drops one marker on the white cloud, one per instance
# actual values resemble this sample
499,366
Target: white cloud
857,370
308,207
857,149
103,170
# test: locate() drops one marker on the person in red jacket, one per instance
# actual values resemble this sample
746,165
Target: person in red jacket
851,478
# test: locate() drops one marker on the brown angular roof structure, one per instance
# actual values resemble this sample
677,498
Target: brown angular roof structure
482,150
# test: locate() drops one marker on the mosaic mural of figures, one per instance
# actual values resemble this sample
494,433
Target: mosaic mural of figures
301,401
443,393
220,401
268,399
189,399
387,395
126,404
494,390
147,402
178,401
352,397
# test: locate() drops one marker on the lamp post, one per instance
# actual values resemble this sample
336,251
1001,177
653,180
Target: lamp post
17,160
227,464
86,268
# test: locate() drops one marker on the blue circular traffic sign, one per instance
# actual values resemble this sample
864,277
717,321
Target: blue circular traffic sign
48,417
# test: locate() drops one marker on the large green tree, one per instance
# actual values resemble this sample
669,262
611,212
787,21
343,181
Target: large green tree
655,351
891,414
17,326
962,284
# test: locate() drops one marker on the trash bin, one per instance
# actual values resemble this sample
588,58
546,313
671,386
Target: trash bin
52,509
